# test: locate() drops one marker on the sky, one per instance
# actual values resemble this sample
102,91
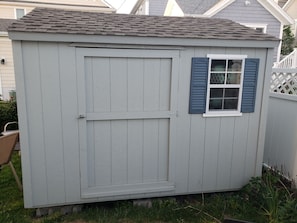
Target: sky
115,3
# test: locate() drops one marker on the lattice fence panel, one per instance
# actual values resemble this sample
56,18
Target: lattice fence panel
284,81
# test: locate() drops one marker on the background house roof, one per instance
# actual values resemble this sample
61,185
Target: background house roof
196,6
4,23
44,20
93,3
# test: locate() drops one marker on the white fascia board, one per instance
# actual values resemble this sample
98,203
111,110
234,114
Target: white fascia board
4,34
277,12
218,7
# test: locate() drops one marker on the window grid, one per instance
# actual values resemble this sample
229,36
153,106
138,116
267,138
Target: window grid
224,85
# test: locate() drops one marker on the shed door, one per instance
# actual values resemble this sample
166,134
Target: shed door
127,111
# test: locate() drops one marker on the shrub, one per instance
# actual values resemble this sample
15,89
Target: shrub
272,196
288,41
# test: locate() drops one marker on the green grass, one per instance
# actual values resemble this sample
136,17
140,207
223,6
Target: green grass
265,199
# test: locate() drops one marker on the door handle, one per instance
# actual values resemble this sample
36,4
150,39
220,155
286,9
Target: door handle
81,116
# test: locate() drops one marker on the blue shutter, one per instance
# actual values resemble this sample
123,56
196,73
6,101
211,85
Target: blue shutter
198,85
249,85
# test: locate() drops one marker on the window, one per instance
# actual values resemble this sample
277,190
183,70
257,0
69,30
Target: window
223,85
19,13
261,28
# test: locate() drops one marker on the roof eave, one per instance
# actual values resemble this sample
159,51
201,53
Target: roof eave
131,40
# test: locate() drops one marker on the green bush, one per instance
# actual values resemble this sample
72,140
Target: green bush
8,113
287,41
273,197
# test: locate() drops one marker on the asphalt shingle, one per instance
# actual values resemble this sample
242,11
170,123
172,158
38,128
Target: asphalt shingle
45,20
5,23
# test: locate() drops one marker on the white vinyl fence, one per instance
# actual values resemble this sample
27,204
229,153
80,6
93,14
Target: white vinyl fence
281,133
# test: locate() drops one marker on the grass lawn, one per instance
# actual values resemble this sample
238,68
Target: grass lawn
263,200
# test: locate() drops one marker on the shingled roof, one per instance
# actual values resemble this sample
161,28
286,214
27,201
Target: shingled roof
44,20
4,23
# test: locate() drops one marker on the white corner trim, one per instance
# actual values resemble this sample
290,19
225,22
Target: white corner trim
218,7
288,4
173,9
277,12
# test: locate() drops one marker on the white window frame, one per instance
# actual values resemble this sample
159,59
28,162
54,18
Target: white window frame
15,12
219,113
256,25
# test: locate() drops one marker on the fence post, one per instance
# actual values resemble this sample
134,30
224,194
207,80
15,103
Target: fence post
295,58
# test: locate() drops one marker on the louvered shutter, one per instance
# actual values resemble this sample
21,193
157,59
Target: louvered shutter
198,88
249,85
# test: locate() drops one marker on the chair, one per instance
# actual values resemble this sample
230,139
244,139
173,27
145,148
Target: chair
5,129
7,144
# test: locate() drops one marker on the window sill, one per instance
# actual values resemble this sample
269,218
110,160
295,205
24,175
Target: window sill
206,115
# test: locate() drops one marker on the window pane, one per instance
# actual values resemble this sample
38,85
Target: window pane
216,93
217,78
231,92
230,104
218,65
20,13
215,104
260,30
234,65
233,78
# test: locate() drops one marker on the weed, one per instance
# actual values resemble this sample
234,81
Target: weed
272,198
263,200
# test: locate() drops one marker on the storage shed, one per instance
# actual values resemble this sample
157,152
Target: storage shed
118,107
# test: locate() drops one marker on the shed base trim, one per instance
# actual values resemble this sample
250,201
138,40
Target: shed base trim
127,189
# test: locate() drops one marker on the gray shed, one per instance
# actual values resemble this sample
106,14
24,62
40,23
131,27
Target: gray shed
118,107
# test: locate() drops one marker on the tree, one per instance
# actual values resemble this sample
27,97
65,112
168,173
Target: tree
287,41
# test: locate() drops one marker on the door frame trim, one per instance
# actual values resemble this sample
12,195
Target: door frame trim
81,54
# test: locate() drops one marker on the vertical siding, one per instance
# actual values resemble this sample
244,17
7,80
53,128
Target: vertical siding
69,125
212,154
34,111
51,107
51,112
217,153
